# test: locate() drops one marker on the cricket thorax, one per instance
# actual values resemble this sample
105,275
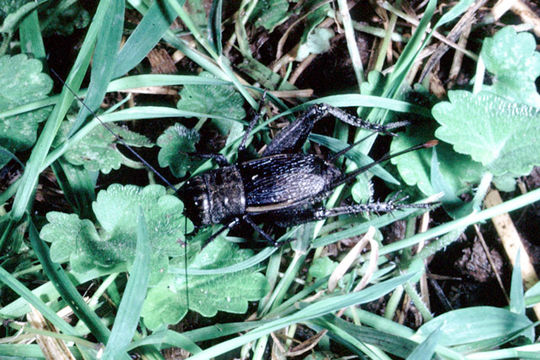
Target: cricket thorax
214,196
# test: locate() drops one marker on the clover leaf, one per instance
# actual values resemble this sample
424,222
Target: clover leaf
167,302
512,58
98,151
113,240
176,143
502,135
21,81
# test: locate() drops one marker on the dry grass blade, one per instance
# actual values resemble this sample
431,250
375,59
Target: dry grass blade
512,243
54,349
349,259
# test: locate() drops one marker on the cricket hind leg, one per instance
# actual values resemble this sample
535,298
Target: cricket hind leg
290,217
291,139
374,207
242,151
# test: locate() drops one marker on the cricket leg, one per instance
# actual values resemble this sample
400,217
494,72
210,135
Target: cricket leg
290,217
291,139
228,226
375,207
242,154
267,238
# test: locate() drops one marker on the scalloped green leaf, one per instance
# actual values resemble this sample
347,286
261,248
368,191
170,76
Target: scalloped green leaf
459,171
66,21
21,81
212,99
317,42
270,13
215,100
512,58
176,143
317,11
116,212
64,231
502,135
208,294
98,150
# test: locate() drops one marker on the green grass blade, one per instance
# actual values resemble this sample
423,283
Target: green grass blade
77,185
108,42
29,351
125,83
129,311
19,307
30,34
426,348
66,288
169,338
409,54
154,24
214,25
354,52
486,327
41,149
507,206
36,302
312,311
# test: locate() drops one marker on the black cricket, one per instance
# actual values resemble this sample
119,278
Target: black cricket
284,187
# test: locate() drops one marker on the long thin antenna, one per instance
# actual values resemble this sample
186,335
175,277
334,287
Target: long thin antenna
116,136
348,176
186,264
140,158
348,148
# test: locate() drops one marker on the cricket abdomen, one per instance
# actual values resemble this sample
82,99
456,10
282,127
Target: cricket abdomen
278,181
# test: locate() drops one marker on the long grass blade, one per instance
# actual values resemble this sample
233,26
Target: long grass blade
130,307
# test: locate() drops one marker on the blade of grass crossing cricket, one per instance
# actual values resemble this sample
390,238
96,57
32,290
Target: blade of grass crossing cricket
129,311
139,157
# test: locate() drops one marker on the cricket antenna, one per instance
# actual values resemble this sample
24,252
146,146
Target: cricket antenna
116,136
186,264
347,177
348,148
139,157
